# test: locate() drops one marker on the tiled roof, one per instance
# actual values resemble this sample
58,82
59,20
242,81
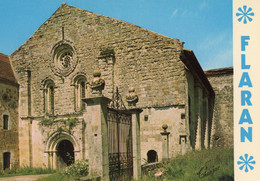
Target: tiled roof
6,72
220,71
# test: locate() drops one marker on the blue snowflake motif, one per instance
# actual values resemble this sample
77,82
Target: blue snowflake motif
245,14
246,162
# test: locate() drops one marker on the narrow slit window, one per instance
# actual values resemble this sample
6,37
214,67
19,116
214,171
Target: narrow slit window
80,92
49,97
7,160
6,122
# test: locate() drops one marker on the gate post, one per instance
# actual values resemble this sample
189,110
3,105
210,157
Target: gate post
136,143
96,117
165,143
132,99
96,129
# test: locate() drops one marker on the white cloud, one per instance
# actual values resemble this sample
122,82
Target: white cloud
189,14
174,13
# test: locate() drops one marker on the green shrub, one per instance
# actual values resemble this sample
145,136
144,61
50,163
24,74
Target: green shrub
76,170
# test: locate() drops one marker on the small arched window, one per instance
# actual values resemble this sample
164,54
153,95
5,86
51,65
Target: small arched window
152,156
49,96
80,92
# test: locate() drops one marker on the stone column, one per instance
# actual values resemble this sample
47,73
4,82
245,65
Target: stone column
132,99
212,126
165,143
206,141
199,109
97,136
97,129
136,143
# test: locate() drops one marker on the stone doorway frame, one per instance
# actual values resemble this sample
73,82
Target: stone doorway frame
52,146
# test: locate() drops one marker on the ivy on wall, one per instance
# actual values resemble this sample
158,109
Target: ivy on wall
69,123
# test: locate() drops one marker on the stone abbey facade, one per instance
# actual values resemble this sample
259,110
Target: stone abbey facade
54,69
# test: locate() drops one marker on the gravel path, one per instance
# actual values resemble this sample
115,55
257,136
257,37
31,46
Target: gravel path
24,178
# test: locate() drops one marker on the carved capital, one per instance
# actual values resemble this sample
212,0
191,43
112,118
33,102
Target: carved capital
132,97
97,84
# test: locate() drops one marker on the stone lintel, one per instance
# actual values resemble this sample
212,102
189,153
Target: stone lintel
165,133
135,110
183,137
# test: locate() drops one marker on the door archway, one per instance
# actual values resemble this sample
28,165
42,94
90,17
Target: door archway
65,153
62,149
152,156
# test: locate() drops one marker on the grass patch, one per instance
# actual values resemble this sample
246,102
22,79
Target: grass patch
56,177
25,171
205,165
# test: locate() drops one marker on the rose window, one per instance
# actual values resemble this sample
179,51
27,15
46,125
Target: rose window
66,59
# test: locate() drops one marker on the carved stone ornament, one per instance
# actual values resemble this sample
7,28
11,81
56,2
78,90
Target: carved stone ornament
64,58
164,127
97,84
132,97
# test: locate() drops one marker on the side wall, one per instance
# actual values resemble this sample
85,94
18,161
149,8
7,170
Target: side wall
9,137
152,120
222,128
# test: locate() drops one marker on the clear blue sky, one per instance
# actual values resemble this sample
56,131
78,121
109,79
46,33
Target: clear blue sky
204,25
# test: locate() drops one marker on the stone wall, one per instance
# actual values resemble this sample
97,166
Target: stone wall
9,137
143,59
222,128
152,120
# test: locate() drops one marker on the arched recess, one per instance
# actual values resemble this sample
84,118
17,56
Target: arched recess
48,94
152,156
65,154
57,142
80,89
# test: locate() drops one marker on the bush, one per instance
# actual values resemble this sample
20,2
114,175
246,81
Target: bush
76,170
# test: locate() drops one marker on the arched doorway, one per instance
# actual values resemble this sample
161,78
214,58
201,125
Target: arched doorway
65,153
152,156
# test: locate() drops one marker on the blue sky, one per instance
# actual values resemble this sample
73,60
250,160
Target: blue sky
204,25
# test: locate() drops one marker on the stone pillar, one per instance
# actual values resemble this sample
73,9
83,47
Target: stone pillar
132,99
165,143
212,126
136,143
206,141
97,136
97,128
199,109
